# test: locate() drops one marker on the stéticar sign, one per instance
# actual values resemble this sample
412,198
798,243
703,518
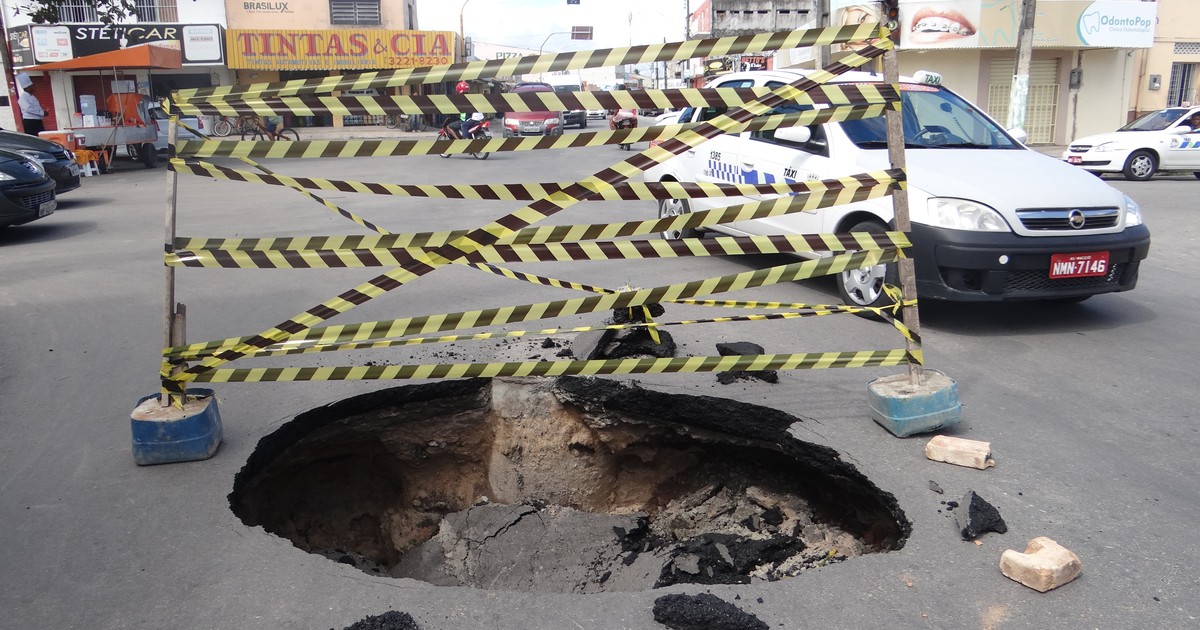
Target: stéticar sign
337,49
199,44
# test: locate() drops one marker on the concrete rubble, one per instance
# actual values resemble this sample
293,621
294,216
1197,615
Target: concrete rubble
1044,565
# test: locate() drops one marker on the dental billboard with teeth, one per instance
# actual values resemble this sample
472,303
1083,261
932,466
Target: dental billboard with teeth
994,23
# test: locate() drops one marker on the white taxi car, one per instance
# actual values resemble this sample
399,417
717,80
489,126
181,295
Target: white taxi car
1158,141
991,219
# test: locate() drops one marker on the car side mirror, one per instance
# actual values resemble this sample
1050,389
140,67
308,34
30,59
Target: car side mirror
797,135
1019,135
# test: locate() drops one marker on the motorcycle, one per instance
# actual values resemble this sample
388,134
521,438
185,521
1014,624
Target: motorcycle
623,119
482,131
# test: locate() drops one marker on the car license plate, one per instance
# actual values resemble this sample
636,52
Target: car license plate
47,207
73,169
1082,265
1074,159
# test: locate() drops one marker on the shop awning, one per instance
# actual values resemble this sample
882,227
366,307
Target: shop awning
145,56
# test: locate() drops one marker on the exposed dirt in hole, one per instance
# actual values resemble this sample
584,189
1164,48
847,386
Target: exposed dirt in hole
568,485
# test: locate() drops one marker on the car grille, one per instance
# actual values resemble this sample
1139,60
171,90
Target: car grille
1038,280
60,154
32,202
1060,218
1079,148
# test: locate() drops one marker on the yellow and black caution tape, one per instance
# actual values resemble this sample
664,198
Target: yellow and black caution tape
434,104
304,149
552,252
821,195
426,324
464,246
526,216
759,362
627,191
812,310
553,62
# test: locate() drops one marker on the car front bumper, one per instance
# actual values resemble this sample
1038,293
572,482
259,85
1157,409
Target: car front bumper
1097,161
988,267
65,174
22,203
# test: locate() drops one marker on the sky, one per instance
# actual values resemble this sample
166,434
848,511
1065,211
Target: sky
529,23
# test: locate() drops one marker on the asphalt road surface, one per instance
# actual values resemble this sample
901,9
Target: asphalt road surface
1090,409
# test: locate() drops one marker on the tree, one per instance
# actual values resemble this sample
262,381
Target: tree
47,11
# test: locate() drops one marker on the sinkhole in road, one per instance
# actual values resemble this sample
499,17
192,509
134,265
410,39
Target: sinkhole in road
568,485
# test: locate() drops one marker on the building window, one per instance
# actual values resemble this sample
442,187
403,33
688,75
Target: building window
77,11
156,10
354,12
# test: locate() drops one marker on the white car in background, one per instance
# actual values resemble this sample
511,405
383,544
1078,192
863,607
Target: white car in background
991,219
1158,141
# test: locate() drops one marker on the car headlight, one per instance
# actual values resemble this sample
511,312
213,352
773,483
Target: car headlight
1111,145
960,214
510,121
551,121
40,156
1133,212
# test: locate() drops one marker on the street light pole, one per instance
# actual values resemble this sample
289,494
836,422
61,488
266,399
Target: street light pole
548,39
462,33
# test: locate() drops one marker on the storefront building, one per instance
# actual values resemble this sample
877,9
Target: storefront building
1084,66
1168,73
281,41
1082,70
197,32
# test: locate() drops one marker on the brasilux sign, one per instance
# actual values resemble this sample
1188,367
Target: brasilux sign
337,49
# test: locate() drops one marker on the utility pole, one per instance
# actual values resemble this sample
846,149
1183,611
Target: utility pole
822,22
1018,98
10,77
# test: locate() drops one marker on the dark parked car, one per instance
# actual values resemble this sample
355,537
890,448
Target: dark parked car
58,162
575,117
26,192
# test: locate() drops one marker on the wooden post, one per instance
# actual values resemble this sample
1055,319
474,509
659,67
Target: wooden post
174,325
908,274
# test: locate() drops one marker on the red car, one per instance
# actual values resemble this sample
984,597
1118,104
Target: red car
533,123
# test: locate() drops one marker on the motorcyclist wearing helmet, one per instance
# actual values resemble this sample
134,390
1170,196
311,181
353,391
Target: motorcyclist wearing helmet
466,123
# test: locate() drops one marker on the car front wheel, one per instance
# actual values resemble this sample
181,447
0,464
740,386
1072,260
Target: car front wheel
864,287
668,208
1140,166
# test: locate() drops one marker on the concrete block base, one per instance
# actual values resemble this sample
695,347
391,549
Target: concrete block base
905,409
1044,565
165,435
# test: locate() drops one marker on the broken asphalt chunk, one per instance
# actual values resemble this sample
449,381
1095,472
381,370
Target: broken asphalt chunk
703,612
978,517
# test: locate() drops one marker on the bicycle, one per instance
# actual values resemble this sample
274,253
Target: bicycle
225,126
259,133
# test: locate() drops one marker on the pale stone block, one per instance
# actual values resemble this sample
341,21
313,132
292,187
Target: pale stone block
960,452
1044,565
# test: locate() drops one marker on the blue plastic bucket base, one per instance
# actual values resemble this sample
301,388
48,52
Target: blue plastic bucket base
906,410
190,438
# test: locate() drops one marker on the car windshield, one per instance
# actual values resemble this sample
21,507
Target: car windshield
1156,121
934,118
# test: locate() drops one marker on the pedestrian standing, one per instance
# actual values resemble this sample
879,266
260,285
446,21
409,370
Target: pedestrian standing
31,109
